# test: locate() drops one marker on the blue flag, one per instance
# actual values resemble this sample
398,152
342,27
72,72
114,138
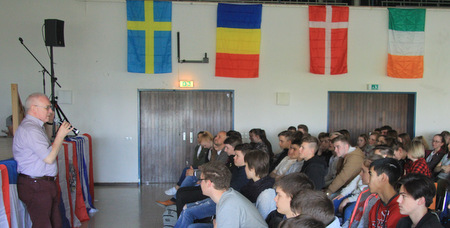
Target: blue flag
149,25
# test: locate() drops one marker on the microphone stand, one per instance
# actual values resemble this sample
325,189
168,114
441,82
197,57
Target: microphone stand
55,107
44,70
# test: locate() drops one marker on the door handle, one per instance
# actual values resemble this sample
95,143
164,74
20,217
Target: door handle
184,136
191,136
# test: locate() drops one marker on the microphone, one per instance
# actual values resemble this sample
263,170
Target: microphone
21,40
74,130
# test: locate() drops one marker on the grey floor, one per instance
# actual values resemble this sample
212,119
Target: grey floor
129,206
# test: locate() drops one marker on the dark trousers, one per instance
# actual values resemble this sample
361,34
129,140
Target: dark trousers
187,195
42,200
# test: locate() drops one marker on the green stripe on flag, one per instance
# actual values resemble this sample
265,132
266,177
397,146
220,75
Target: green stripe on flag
407,19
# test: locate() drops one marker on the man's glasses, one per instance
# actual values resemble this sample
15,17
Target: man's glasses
48,107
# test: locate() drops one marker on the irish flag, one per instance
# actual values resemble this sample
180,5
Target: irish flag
238,40
406,43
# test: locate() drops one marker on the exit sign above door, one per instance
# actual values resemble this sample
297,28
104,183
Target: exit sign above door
373,87
188,84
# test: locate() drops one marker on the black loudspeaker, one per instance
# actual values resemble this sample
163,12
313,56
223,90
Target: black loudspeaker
54,33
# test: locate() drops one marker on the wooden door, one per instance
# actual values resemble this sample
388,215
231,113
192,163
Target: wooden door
169,123
360,112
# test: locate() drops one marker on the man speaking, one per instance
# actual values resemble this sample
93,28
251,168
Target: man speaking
36,161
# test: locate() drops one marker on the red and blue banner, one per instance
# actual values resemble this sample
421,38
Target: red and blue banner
238,40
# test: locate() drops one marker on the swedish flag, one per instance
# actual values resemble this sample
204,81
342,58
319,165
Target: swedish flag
149,26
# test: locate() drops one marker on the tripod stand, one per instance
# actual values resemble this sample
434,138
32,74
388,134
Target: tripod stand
53,100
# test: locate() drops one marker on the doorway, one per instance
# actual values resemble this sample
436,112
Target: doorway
362,112
169,123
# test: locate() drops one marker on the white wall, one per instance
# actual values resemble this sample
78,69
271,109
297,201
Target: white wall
93,67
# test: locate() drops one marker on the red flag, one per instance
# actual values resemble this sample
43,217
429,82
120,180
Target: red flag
328,26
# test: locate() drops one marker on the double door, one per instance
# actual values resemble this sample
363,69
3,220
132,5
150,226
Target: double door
169,123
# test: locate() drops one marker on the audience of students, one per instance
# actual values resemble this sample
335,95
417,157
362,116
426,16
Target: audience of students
242,187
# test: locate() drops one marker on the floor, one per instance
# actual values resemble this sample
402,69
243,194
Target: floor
128,206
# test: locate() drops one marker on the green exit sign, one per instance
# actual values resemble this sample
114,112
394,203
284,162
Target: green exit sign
373,87
186,84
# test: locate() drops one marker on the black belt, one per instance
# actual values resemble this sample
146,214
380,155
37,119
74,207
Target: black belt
47,178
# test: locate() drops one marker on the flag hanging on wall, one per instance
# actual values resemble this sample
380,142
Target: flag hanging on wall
328,26
406,43
149,26
238,40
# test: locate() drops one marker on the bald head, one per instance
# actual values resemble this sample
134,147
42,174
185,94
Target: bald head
38,105
220,138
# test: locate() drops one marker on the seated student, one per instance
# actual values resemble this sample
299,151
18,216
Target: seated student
205,143
259,189
417,163
442,170
291,159
200,151
233,209
384,129
286,187
365,199
303,128
314,167
324,151
373,139
292,129
206,207
216,154
362,143
317,205
423,141
400,153
446,135
191,177
303,221
384,174
351,166
433,157
258,135
392,133
405,139
285,138
294,152
384,151
416,195
333,162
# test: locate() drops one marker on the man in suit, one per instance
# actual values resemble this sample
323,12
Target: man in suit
200,152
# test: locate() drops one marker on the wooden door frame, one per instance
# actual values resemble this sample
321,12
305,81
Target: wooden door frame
171,90
367,92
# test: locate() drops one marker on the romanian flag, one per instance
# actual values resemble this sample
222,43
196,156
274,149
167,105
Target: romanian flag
238,40
328,26
149,26
406,43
